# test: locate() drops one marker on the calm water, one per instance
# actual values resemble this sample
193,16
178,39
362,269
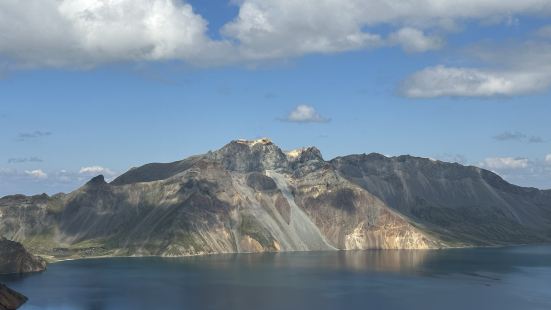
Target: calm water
504,278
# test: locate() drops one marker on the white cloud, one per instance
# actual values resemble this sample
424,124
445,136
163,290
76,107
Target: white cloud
276,28
413,40
86,33
442,81
83,33
511,69
305,114
504,163
283,28
94,170
521,171
452,158
37,174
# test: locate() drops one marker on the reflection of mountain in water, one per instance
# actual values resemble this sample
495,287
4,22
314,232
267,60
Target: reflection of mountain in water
467,261
384,260
458,279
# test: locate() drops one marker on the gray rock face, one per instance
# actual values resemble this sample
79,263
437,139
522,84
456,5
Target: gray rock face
10,299
14,259
247,156
462,205
250,196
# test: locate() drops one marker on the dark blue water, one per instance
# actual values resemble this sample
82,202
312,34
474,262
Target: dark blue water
496,278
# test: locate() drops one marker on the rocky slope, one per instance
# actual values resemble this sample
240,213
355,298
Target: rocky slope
15,259
461,205
250,196
10,299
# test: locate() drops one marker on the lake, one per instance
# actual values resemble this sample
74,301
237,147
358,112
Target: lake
485,278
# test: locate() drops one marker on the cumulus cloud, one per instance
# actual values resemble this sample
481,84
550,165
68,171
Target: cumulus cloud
86,33
30,182
521,171
452,158
294,27
501,163
94,170
413,40
442,81
277,28
37,174
510,70
83,33
305,114
517,136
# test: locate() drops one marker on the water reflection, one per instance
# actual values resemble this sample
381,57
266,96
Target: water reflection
390,279
399,261
415,262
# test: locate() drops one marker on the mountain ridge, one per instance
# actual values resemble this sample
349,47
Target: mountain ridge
250,196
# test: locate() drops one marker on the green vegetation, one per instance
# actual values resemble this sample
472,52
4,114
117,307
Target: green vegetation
44,241
249,226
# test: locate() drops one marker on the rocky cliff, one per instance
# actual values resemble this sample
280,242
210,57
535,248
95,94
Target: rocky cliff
15,259
10,299
250,196
458,204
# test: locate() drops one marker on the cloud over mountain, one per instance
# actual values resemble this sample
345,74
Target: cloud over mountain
37,174
86,33
94,170
305,114
499,163
514,69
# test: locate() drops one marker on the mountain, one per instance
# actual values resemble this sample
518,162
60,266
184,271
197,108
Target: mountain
15,259
250,196
458,204
10,299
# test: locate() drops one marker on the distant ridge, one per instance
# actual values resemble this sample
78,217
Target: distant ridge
250,196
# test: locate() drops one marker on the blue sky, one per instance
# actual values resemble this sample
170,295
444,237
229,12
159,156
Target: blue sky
470,84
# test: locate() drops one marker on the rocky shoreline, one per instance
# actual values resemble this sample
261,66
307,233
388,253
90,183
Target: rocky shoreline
15,259
10,299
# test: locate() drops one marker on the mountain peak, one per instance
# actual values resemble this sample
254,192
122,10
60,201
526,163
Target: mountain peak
251,155
98,180
304,154
261,141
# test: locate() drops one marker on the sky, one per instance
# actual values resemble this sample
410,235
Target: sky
97,87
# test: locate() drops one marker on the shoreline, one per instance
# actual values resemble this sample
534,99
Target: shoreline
286,252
